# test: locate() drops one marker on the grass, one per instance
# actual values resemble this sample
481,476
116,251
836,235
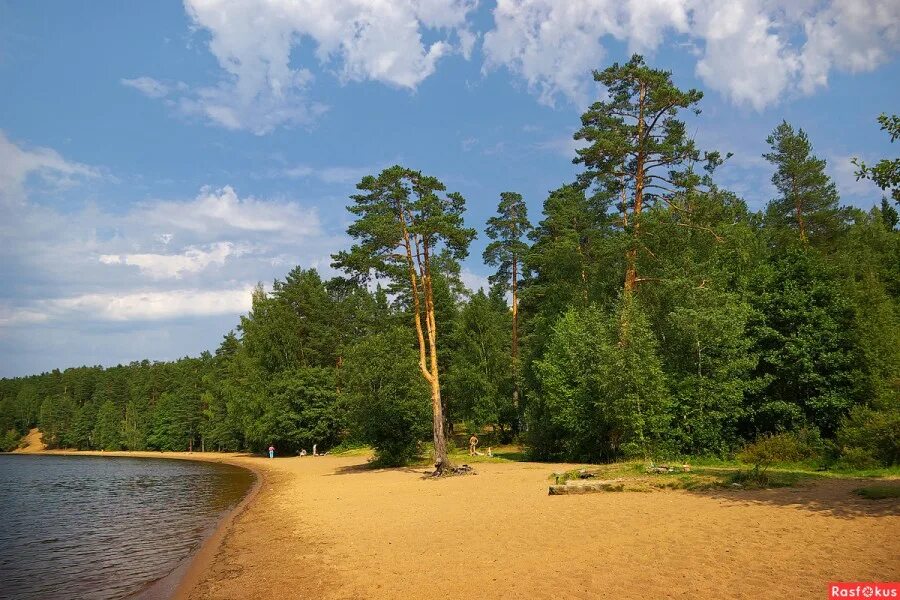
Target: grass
880,491
724,474
706,472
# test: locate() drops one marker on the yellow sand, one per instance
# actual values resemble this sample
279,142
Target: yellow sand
328,527
33,442
325,527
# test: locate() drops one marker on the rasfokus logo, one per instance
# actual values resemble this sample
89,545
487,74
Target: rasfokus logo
864,589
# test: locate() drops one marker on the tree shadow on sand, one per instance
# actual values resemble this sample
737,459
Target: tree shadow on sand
833,497
374,467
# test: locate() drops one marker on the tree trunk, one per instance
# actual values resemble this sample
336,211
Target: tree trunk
515,333
515,310
441,461
631,255
799,208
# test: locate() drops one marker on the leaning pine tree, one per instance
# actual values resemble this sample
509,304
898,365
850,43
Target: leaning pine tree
403,220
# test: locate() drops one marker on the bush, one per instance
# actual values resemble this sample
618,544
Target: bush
768,450
602,391
388,400
871,432
9,441
856,459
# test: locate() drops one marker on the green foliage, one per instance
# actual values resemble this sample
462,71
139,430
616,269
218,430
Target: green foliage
387,399
507,230
886,172
804,335
601,396
9,441
426,210
770,449
479,378
809,200
107,433
635,131
171,423
81,433
778,326
298,410
871,433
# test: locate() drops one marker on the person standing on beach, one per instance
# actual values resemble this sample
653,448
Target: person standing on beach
271,451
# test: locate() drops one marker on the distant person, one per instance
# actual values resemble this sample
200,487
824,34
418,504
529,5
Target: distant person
473,442
314,450
271,451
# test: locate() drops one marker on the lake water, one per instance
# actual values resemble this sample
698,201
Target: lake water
105,527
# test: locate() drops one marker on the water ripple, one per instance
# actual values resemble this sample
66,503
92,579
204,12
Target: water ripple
102,527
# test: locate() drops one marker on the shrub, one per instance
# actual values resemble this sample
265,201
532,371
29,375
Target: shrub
9,441
855,459
768,450
602,391
871,431
388,400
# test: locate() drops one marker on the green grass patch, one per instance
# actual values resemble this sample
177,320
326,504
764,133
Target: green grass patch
880,491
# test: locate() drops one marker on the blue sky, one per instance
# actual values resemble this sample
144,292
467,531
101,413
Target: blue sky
158,159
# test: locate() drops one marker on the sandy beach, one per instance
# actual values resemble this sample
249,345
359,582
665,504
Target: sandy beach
329,527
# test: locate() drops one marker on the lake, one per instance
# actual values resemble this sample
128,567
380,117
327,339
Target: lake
105,527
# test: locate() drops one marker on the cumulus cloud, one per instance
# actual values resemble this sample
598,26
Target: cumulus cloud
221,209
474,281
358,40
157,260
17,164
175,266
752,51
153,304
843,172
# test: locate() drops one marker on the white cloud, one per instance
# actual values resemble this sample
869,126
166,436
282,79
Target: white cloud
153,304
360,40
147,86
175,266
157,260
753,51
218,209
18,164
843,172
474,281
565,146
10,316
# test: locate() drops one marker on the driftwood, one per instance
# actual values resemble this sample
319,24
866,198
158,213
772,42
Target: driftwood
602,485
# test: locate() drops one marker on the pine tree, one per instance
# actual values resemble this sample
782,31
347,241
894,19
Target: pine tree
636,146
404,219
808,200
506,251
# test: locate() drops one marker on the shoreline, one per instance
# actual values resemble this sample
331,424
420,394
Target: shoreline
337,529
179,583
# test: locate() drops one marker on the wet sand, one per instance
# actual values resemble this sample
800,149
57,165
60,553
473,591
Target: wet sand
328,527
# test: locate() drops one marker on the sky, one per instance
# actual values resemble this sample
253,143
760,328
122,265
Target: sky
158,159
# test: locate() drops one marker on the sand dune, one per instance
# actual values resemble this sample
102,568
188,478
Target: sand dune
329,528
32,443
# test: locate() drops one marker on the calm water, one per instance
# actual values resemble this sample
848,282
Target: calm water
104,527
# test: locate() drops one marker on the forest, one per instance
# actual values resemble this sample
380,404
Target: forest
645,313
